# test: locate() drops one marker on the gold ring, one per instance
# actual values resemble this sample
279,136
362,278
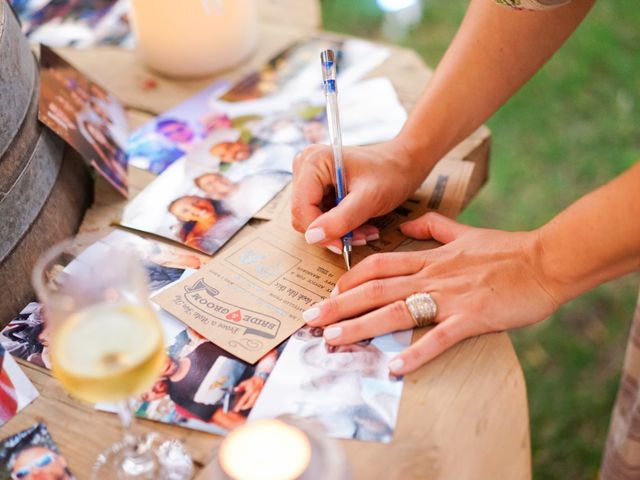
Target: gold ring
422,308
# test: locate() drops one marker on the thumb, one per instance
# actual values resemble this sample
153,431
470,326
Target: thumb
436,226
345,217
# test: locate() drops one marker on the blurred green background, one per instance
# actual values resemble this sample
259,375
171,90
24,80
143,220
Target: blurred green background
574,126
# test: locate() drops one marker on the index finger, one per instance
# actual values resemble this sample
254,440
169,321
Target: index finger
310,179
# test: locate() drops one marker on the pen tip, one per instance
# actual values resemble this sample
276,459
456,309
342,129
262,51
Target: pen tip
346,253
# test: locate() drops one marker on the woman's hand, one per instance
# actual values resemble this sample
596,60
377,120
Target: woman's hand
482,281
380,177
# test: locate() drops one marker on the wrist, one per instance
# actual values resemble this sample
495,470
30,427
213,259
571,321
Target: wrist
555,266
419,154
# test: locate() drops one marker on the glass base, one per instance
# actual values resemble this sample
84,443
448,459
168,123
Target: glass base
144,458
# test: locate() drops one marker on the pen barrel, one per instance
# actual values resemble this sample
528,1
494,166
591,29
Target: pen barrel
333,121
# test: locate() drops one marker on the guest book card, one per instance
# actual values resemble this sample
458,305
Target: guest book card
251,296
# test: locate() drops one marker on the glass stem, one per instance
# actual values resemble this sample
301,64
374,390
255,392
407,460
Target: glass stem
138,460
125,413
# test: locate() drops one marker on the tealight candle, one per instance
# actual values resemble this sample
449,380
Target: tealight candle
265,450
193,38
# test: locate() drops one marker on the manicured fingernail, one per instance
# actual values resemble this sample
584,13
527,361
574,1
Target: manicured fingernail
335,249
395,364
373,237
314,235
334,292
332,332
359,243
311,314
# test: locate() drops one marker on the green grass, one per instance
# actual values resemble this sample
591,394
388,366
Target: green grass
574,126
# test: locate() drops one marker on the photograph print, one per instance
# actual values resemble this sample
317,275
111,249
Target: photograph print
84,115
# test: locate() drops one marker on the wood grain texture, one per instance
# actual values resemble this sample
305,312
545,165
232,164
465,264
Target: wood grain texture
462,416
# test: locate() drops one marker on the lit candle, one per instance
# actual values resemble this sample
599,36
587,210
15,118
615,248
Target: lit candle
192,38
265,450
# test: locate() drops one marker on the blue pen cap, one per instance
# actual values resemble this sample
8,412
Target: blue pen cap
328,61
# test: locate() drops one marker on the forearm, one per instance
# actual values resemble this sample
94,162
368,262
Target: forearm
594,240
495,51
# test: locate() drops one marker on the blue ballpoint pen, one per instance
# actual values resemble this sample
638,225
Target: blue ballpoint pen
328,60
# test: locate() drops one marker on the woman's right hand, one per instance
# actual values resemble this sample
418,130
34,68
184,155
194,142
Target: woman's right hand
379,178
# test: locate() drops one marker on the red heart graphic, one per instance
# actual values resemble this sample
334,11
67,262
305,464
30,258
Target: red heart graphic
234,316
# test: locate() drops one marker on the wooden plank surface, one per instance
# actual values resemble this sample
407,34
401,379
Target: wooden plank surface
464,415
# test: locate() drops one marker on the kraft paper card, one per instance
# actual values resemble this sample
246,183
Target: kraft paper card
251,296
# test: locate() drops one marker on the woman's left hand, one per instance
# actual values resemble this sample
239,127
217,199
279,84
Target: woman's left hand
481,280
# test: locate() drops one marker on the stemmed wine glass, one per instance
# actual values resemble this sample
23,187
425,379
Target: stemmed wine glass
107,343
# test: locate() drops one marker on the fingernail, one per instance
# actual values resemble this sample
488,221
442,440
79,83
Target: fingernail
335,249
373,237
334,292
311,314
395,364
332,332
359,243
314,235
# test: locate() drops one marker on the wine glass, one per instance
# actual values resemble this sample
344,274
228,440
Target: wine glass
106,342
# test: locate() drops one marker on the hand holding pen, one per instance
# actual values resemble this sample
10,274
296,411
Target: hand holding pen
328,60
381,177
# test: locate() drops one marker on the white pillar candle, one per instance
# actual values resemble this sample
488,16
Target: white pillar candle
194,38
265,450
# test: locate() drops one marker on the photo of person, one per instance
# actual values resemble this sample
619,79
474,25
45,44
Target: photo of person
32,455
289,78
16,390
198,215
172,134
75,23
86,116
295,71
202,386
26,336
205,197
347,388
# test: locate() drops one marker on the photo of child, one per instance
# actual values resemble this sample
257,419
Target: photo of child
32,454
85,116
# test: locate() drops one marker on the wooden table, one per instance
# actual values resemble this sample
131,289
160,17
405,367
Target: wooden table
464,415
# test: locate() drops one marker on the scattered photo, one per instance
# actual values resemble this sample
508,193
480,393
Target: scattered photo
285,94
202,387
16,390
295,72
174,133
86,116
204,198
32,454
346,388
27,335
75,23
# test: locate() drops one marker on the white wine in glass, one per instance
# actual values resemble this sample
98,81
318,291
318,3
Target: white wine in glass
107,343
108,352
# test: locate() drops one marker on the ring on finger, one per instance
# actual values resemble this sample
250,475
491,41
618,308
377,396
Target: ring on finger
422,308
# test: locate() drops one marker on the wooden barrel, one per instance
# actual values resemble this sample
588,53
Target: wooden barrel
44,187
